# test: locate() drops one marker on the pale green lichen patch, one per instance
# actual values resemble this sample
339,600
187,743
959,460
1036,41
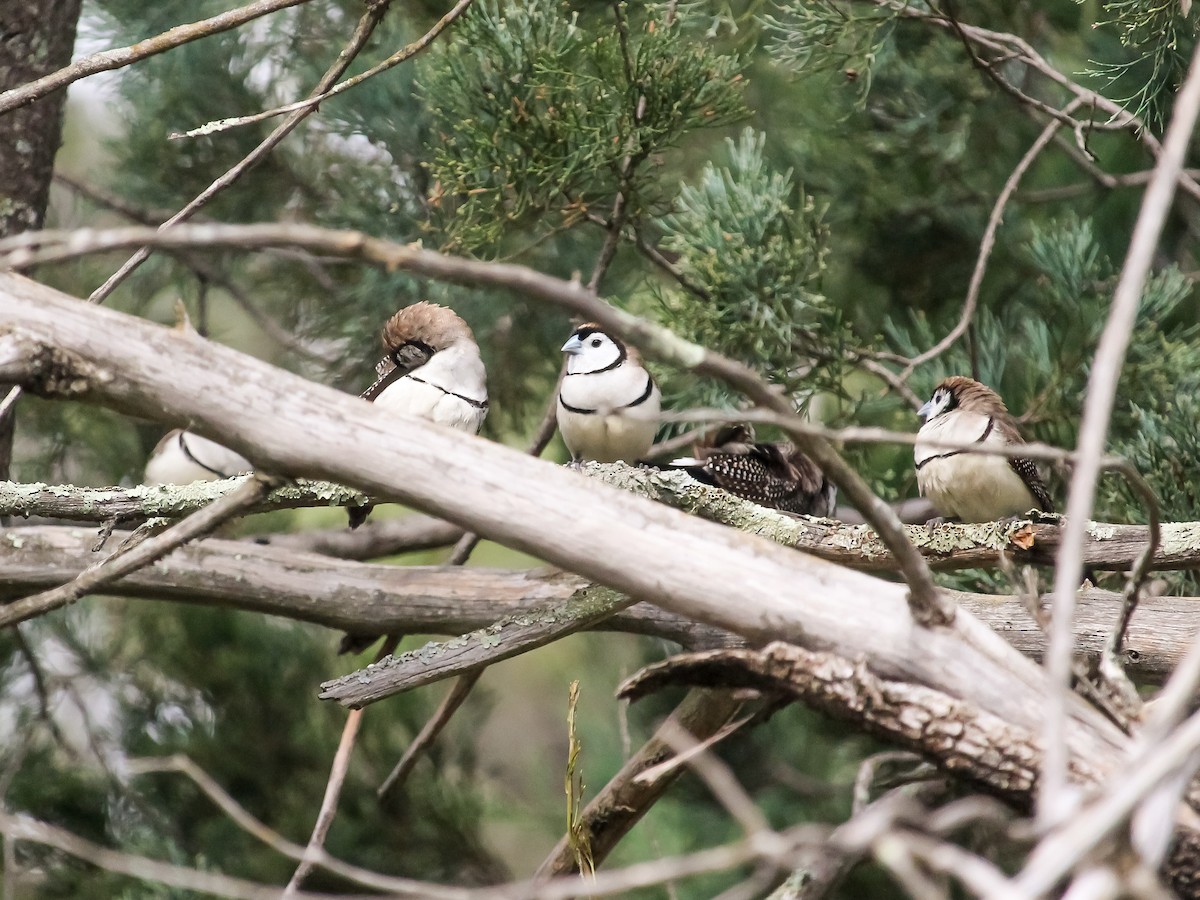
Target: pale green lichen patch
858,539
949,538
585,605
1101,532
1179,539
326,491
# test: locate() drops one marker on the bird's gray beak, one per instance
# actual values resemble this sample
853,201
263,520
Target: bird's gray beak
574,345
924,411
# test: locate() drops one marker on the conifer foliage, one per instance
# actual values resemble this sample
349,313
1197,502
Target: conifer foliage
806,188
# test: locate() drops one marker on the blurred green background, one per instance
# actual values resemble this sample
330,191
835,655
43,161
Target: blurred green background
820,176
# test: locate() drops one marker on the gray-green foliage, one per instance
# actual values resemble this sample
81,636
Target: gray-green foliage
756,244
1162,36
540,116
850,216
827,36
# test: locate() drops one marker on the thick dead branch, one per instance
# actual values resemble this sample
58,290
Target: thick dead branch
137,504
456,601
57,346
339,595
962,739
130,558
926,604
472,652
1109,547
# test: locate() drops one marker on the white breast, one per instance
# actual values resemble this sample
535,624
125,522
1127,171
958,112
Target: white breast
430,392
185,457
968,486
614,430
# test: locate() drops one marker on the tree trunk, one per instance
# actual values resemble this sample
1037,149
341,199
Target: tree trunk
36,38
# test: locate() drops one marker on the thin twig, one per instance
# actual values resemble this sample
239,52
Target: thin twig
257,829
205,272
122,562
656,256
633,157
315,849
1062,116
1141,569
989,241
1119,118
107,60
39,686
1093,430
465,683
366,27
719,778
142,868
692,747
306,106
429,733
891,379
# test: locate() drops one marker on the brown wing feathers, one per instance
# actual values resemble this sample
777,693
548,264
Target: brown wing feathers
773,475
976,397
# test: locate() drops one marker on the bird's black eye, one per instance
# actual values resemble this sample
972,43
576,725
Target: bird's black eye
595,342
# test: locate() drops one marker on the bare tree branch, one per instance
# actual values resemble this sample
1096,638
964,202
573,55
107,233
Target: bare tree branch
371,18
304,107
470,653
961,738
107,60
1109,547
123,561
137,504
460,602
925,603
1053,805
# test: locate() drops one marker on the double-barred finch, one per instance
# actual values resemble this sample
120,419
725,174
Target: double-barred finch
608,405
182,457
974,487
775,475
432,370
